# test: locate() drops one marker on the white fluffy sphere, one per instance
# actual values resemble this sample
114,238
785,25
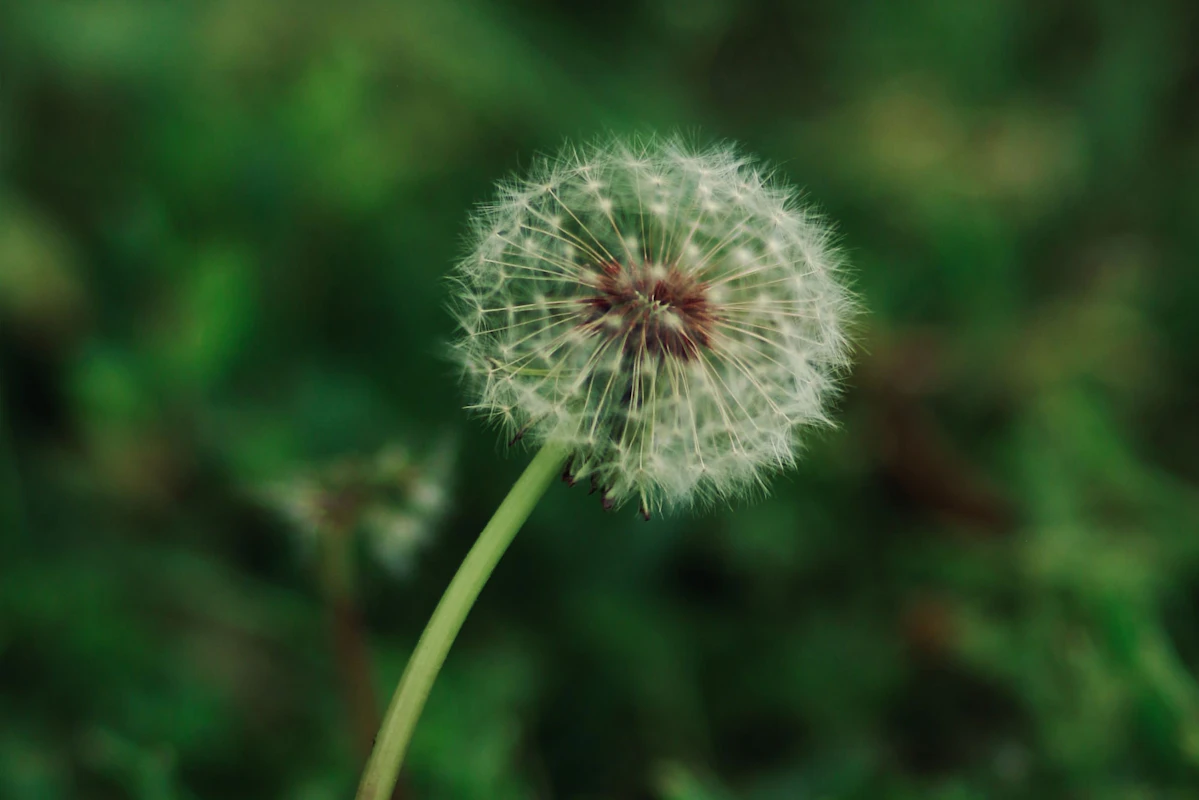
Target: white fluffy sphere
670,314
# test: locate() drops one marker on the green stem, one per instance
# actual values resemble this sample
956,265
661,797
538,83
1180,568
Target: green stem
384,765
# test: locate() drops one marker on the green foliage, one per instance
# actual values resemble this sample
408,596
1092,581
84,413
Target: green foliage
224,229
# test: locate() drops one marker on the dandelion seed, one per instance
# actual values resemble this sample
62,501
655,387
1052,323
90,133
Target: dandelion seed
667,313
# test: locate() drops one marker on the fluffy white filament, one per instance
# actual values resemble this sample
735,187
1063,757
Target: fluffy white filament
670,313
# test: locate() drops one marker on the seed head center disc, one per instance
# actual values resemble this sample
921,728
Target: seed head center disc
654,309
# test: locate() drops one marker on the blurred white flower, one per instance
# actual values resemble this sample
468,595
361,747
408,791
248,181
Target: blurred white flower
395,536
299,501
397,530
395,499
671,314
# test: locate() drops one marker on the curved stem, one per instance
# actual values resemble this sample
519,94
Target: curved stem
396,732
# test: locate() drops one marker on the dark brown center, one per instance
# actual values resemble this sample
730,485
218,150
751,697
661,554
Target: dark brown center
654,309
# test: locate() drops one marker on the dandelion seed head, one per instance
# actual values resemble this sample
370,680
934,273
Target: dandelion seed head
669,313
395,498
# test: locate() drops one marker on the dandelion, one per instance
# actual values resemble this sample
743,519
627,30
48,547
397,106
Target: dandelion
669,315
661,321
394,499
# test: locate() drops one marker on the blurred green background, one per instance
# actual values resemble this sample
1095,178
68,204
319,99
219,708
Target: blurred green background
224,228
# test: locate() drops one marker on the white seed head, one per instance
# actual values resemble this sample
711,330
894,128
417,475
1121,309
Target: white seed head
669,313
395,499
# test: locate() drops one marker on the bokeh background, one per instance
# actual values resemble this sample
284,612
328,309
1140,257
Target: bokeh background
224,228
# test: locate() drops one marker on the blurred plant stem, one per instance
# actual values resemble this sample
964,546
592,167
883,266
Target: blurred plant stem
348,638
348,635
12,513
413,690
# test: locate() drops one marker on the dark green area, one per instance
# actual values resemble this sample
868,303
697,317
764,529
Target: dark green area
224,228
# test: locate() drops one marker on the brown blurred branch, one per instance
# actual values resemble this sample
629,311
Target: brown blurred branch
351,648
